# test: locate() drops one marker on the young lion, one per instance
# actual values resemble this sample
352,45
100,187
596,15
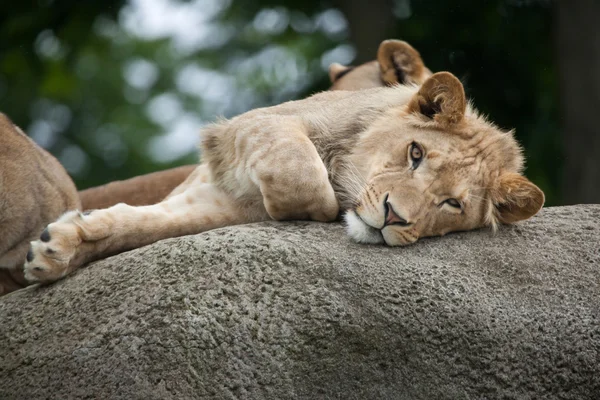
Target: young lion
401,163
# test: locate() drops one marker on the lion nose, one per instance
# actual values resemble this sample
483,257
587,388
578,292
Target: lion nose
392,217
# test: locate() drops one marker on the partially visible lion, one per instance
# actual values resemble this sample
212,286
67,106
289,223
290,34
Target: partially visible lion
35,189
397,62
400,163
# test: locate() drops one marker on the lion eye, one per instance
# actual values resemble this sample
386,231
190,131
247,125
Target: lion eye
416,154
453,203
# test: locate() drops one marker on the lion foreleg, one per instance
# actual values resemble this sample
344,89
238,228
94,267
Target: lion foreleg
76,238
285,165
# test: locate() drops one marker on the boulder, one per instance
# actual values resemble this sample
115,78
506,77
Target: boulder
296,310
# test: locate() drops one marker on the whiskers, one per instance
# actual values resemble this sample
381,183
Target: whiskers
480,193
473,196
490,217
349,184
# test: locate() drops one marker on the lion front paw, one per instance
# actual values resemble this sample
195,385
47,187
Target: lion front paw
51,257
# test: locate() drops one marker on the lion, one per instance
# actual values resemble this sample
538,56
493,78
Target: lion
35,190
397,163
29,177
397,63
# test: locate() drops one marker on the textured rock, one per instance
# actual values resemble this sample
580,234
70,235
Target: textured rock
296,310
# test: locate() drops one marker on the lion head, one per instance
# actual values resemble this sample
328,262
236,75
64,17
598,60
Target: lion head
435,166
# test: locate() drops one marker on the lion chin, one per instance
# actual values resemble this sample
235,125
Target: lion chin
360,231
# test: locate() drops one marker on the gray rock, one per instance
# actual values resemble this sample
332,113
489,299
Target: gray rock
295,310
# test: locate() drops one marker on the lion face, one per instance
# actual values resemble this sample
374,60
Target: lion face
435,167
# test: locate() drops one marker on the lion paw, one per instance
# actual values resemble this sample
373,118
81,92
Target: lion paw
51,257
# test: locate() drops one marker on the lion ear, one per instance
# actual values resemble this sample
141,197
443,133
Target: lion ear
516,198
400,63
441,98
336,70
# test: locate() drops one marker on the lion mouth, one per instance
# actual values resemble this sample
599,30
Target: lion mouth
360,231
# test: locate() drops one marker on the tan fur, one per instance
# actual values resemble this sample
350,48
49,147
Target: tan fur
138,191
29,177
397,63
334,152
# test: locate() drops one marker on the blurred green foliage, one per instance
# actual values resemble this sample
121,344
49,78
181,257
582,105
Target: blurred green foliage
116,89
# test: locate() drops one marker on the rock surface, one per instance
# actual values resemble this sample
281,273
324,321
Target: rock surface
295,310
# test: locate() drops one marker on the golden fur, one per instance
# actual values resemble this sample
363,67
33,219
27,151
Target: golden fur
401,163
